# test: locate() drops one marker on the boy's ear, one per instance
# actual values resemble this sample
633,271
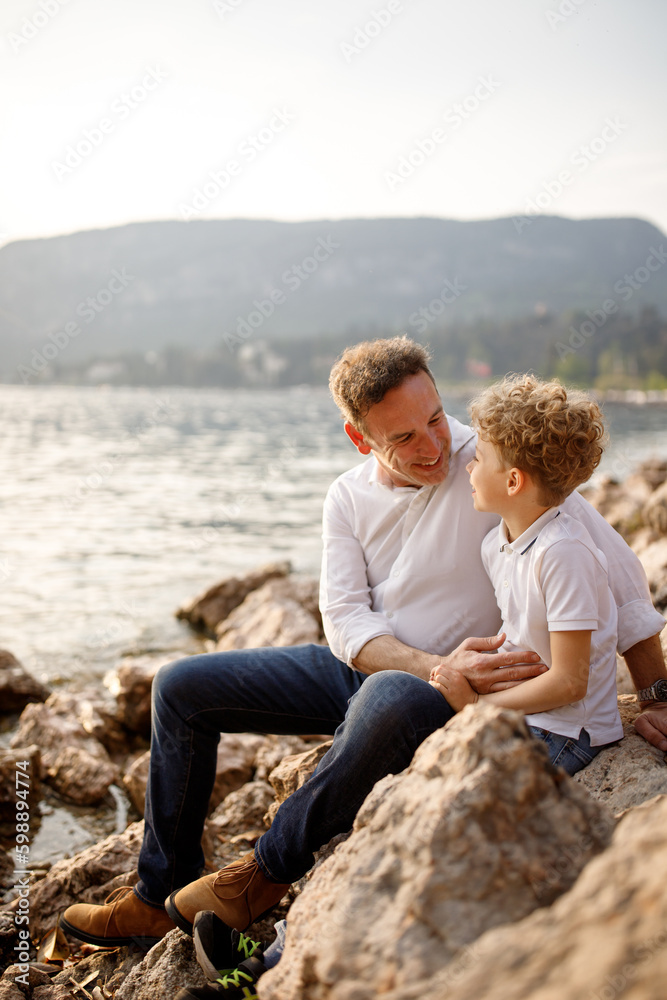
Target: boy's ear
357,439
516,481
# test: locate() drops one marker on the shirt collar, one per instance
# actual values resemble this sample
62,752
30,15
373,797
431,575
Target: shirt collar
526,540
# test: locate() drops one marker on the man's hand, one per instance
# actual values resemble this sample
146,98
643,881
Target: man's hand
492,673
652,725
453,686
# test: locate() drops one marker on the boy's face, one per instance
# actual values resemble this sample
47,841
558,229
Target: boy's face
488,478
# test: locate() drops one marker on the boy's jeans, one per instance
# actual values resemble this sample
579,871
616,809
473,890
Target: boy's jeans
570,754
378,721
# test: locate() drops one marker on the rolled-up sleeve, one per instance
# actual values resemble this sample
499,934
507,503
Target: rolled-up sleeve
345,593
637,618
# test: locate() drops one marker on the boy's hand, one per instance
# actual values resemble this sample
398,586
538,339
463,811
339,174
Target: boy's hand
453,686
497,672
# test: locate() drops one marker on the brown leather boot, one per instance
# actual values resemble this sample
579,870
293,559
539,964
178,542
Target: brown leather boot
239,894
123,919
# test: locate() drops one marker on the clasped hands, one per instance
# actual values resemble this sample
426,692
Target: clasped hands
469,671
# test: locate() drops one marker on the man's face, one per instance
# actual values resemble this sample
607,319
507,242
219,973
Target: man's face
408,433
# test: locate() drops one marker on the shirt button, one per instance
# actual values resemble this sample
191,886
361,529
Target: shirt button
390,614
396,572
505,583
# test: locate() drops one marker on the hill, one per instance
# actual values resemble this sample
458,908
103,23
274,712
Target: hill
198,285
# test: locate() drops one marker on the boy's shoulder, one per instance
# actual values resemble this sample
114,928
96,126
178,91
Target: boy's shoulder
567,531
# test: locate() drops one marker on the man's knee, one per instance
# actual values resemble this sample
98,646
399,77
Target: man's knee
394,697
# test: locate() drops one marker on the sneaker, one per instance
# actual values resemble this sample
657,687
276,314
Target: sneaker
239,894
219,948
237,985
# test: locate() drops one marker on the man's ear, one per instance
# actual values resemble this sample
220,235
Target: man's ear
516,481
357,439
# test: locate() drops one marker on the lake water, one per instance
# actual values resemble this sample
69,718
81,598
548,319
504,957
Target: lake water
118,504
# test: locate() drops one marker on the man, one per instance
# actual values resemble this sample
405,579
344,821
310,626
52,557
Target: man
403,589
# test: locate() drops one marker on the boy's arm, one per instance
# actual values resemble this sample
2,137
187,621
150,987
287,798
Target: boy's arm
565,682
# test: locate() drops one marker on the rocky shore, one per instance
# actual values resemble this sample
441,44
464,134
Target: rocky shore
479,872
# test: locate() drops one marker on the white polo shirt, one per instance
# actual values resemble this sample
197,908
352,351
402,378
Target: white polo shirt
554,579
406,562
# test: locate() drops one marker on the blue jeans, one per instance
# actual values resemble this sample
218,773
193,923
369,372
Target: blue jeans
377,722
565,751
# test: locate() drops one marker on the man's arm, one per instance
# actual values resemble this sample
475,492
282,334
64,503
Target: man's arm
471,658
646,664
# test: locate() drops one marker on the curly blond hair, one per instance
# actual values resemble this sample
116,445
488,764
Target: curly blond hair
365,373
555,435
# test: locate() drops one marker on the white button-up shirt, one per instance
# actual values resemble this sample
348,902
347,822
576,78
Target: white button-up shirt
406,562
552,578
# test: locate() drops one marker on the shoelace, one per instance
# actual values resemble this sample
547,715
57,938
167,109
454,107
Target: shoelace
247,946
234,980
118,894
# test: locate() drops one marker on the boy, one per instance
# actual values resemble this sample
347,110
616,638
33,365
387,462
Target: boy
536,444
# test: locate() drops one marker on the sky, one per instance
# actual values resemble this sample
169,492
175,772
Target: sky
117,111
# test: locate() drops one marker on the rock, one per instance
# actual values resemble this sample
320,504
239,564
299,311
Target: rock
629,773
8,988
273,750
96,711
479,830
236,766
6,871
131,683
36,976
242,811
273,615
14,780
135,780
168,966
112,968
53,992
18,688
655,510
291,774
654,560
72,762
604,939
621,503
8,938
624,682
208,609
653,471
88,877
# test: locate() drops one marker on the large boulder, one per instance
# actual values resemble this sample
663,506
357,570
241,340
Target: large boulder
207,610
280,613
479,830
72,761
18,688
605,939
628,773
